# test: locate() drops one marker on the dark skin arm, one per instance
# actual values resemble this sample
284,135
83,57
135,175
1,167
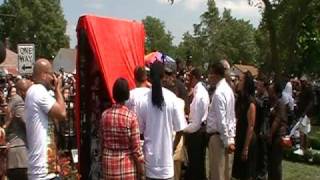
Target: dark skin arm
8,117
231,148
251,116
2,136
281,114
58,111
177,140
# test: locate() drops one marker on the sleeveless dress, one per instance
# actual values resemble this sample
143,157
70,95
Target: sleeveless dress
244,169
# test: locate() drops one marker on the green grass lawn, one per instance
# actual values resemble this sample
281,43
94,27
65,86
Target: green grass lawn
296,171
314,137
301,171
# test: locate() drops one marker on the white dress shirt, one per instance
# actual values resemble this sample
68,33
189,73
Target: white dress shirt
198,108
158,126
221,116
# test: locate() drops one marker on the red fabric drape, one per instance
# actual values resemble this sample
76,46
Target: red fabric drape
117,46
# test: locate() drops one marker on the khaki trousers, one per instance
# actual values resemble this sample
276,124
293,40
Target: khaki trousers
179,157
220,162
177,170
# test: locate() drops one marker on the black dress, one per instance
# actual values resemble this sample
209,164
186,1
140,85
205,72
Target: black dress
244,169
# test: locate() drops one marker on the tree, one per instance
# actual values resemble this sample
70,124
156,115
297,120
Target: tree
189,49
207,32
220,37
286,41
39,22
187,46
157,37
308,41
236,40
282,21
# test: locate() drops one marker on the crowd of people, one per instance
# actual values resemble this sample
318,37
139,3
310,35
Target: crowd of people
165,127
243,123
28,138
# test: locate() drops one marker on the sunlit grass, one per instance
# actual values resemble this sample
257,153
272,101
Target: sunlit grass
295,171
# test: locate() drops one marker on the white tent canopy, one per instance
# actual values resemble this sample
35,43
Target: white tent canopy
66,59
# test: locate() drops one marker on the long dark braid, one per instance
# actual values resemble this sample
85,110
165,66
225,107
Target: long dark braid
156,74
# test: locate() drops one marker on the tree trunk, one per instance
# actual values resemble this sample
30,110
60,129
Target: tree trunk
273,63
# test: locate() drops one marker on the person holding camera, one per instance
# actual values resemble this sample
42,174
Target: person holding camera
40,110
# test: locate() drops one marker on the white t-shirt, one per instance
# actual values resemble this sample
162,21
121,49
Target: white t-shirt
39,132
135,95
288,89
157,127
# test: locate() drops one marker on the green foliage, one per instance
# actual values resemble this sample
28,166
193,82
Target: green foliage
188,47
287,40
292,29
220,37
157,37
308,40
236,40
39,22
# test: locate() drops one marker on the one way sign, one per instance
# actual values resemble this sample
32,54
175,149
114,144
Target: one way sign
26,58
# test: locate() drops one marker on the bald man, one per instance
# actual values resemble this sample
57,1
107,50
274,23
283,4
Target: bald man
40,110
227,67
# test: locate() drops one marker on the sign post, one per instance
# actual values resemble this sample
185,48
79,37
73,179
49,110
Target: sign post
26,58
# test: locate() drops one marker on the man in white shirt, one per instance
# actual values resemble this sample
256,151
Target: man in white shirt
142,87
159,117
39,106
195,135
221,126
